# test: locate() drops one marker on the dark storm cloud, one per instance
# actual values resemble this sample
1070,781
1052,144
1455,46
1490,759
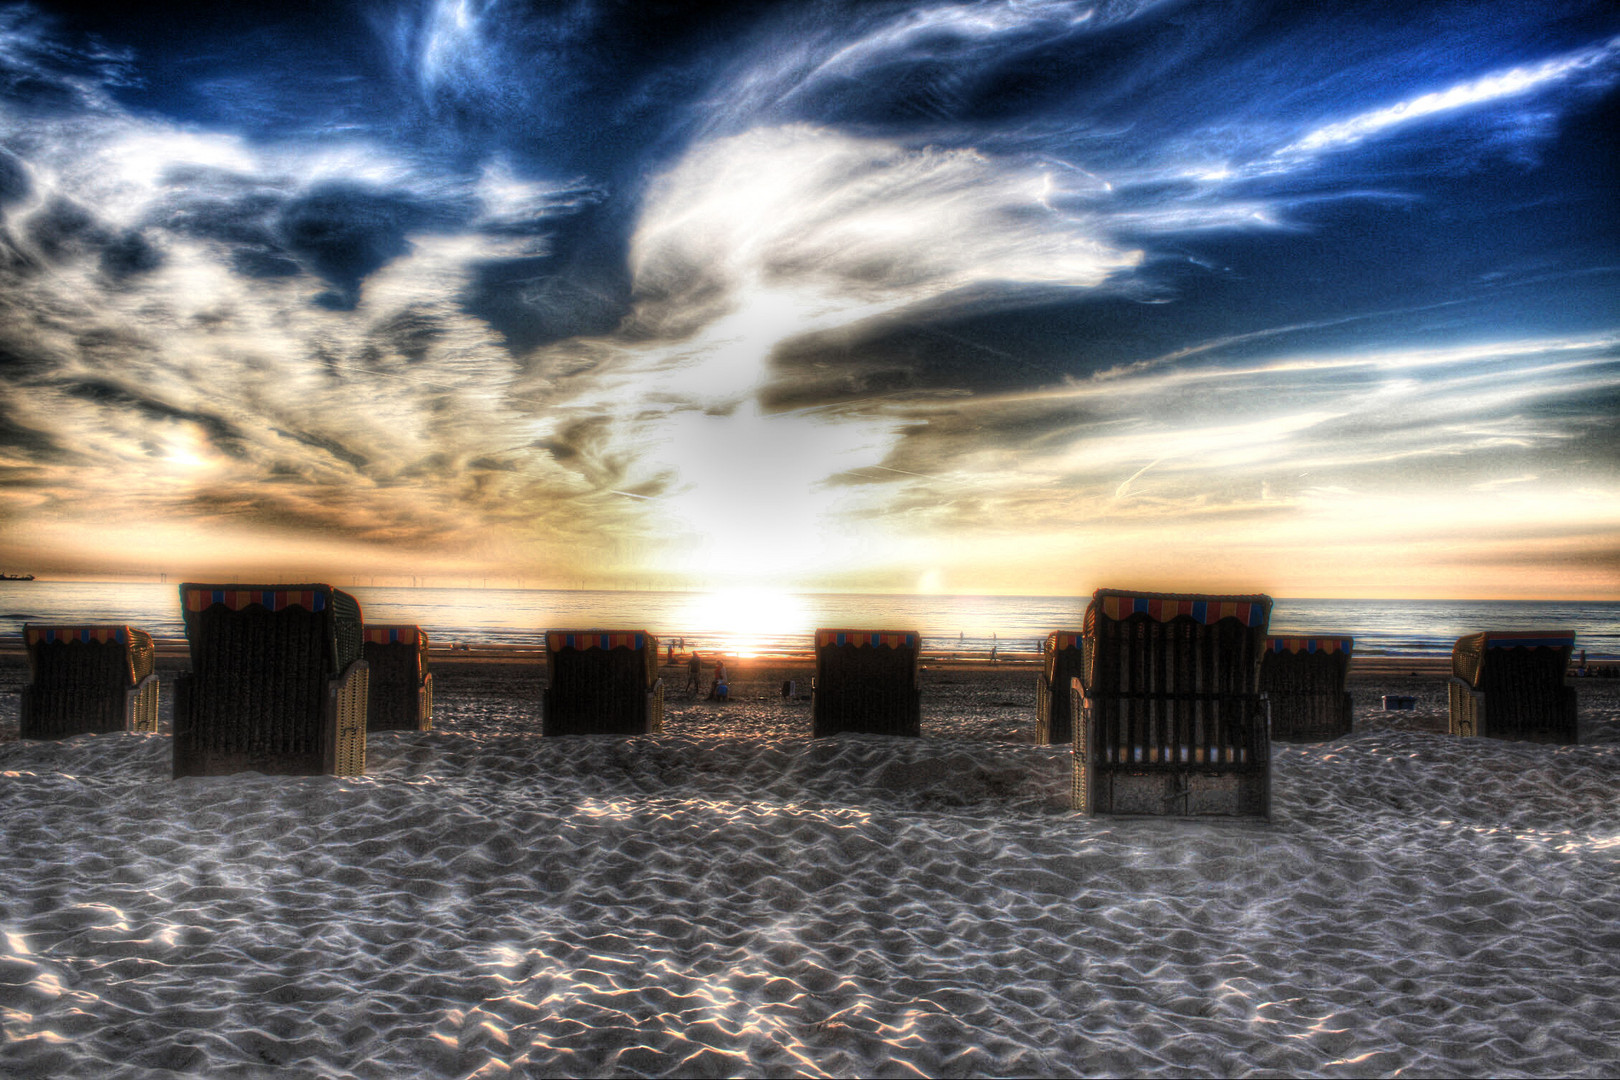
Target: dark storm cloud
130,254
345,233
578,286
64,228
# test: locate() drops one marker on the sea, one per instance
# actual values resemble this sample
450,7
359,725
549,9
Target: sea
762,622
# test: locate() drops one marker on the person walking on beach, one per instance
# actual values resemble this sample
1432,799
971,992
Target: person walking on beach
694,672
717,689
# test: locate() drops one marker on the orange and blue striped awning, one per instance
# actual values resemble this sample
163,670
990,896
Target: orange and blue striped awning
274,599
393,635
1313,644
1248,610
1529,639
1059,640
893,639
86,634
558,640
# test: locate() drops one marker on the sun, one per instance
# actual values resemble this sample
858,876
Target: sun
750,619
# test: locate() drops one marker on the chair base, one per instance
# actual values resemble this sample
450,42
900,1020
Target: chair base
139,714
1172,792
342,749
1557,723
1310,718
1053,724
646,718
898,714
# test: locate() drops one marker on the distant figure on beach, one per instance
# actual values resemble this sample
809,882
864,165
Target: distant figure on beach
718,690
992,654
671,657
694,672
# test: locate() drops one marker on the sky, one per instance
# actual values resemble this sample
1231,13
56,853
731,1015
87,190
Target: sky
1022,297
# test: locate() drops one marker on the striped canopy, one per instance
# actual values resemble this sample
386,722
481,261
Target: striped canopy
1315,644
201,598
395,635
1058,640
558,640
100,634
1529,639
893,639
1162,607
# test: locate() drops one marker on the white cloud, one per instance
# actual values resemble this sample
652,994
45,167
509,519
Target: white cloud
1512,82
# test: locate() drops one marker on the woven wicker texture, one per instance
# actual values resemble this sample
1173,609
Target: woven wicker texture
401,694
1060,663
1304,681
866,685
264,678
1511,685
1172,720
88,679
601,682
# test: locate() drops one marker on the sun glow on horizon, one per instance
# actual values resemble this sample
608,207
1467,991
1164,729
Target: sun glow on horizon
749,619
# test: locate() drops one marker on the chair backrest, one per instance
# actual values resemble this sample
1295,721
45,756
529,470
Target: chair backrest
866,682
79,676
1318,664
396,651
261,657
133,648
1175,675
1497,655
631,654
231,620
598,681
398,656
1061,656
854,660
1144,643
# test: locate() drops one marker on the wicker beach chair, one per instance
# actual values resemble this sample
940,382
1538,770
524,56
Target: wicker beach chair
866,682
602,682
1060,665
1169,718
401,684
277,682
1303,679
1510,685
87,679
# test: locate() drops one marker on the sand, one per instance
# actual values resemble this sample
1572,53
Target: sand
734,898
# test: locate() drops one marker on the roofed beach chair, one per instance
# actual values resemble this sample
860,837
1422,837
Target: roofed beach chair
1169,718
1510,685
866,682
88,679
602,682
1060,664
1303,679
401,684
277,682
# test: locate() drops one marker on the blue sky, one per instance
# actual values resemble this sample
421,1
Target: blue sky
1020,297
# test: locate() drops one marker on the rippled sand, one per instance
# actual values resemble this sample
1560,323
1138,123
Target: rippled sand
733,898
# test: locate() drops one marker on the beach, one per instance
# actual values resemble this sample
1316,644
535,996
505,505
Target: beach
732,897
